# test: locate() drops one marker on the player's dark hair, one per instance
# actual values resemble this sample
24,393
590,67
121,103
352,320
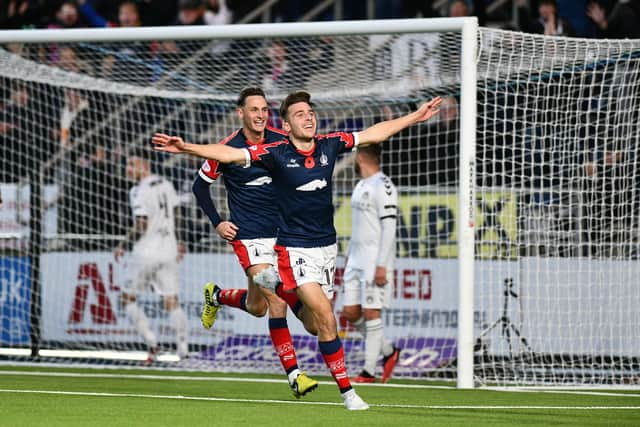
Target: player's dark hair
372,151
247,92
294,98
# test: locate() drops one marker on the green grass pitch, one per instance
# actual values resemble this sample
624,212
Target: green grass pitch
41,396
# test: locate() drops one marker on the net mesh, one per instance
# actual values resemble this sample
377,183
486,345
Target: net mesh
556,196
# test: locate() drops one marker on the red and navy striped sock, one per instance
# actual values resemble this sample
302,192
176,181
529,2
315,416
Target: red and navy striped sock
283,344
333,354
233,298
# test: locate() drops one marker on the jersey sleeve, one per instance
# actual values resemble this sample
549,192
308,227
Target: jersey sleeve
210,170
387,207
344,141
264,153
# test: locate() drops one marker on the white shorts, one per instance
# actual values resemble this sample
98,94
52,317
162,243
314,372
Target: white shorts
162,277
298,266
255,251
360,289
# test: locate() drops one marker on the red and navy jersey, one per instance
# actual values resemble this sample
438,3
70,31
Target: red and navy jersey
303,186
250,192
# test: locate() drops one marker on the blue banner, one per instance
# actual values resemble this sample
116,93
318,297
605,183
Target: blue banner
15,300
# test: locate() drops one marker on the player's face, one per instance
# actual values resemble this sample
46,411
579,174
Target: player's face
254,113
301,121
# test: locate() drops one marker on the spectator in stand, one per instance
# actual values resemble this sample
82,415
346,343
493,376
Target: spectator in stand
67,16
279,67
217,13
418,8
622,22
190,12
23,144
461,8
548,21
129,62
18,14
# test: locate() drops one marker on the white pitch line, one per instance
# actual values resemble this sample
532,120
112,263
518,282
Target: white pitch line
202,378
589,393
221,399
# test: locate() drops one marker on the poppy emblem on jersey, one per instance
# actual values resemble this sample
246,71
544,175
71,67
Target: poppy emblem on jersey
309,163
324,160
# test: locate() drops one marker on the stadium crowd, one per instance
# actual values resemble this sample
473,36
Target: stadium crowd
580,18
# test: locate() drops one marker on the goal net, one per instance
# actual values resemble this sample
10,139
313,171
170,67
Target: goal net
553,184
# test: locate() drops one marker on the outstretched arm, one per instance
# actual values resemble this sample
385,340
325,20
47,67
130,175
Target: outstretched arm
383,130
219,152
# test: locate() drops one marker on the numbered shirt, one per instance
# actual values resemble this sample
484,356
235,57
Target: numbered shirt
373,223
250,193
155,198
303,187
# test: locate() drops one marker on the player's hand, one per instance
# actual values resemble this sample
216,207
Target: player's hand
380,278
428,109
181,251
118,253
227,230
168,144
596,13
550,26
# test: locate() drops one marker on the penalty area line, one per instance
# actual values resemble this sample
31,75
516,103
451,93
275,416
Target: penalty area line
224,399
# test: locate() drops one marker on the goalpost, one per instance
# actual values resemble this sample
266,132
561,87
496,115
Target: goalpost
518,207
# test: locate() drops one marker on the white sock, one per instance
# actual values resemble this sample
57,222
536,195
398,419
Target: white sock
141,323
387,347
293,375
179,322
359,326
372,344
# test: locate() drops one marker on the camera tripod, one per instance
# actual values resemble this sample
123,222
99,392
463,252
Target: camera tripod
505,321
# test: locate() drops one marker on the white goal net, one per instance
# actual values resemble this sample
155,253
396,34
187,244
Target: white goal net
556,208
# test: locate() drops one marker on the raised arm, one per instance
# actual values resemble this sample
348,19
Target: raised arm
220,152
384,130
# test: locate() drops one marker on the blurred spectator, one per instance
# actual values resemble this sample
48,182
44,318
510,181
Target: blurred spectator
157,12
548,22
418,8
24,131
16,14
279,66
622,22
427,154
190,12
129,62
67,16
459,8
217,13
575,12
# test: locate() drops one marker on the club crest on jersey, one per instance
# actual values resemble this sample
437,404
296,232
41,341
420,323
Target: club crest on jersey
316,184
324,160
293,163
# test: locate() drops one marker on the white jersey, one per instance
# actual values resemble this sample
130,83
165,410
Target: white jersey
155,198
374,206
